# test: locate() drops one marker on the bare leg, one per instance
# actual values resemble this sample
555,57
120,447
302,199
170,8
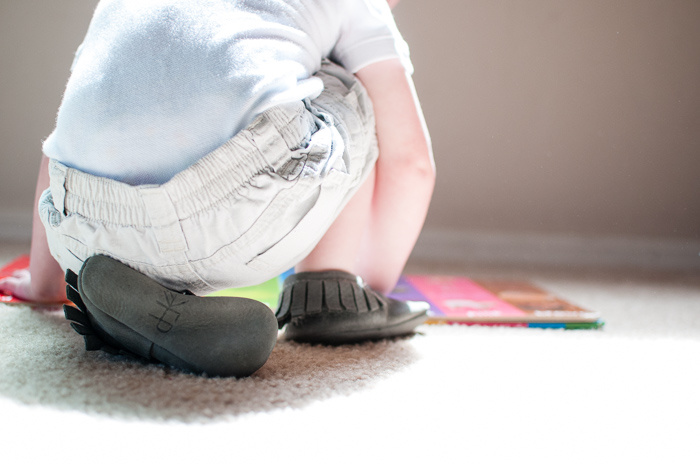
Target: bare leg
339,249
375,234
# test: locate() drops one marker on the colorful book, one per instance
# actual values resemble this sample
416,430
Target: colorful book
460,300
452,299
267,292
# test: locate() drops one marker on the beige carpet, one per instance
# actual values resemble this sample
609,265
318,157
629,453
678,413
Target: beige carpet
625,394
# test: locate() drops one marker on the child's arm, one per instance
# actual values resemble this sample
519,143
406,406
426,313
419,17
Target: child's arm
43,281
405,173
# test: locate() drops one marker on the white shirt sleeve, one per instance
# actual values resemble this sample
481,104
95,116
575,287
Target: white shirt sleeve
368,35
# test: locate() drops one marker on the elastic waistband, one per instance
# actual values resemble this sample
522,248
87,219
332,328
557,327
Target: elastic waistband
262,146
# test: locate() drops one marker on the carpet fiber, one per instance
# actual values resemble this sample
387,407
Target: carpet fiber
624,394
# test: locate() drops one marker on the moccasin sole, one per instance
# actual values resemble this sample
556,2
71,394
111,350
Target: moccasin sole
218,336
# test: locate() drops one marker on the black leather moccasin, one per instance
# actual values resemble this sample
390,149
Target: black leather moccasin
336,307
120,310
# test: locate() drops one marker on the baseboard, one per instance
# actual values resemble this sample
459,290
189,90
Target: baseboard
557,250
15,224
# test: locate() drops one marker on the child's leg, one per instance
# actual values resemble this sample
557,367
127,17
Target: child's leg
340,247
376,232
323,305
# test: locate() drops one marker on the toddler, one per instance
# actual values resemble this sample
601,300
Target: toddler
209,144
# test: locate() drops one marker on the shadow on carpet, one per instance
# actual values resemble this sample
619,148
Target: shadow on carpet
43,362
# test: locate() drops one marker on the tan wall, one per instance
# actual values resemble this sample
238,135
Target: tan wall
37,42
562,115
553,116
